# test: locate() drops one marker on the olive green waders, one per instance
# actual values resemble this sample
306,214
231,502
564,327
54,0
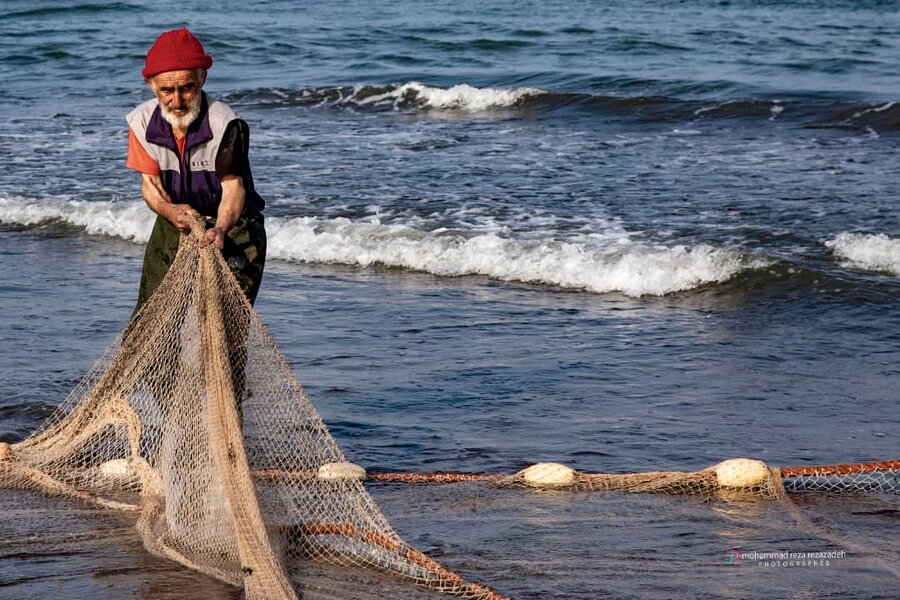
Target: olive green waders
244,252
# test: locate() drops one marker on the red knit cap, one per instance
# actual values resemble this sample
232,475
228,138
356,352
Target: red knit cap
176,50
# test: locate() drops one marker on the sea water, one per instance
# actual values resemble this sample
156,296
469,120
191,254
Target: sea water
624,236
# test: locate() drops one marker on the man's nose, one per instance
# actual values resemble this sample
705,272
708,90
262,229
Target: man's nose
177,99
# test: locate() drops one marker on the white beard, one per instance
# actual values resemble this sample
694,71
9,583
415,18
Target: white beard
183,121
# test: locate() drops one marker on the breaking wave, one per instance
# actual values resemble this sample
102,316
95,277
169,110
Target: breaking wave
596,263
633,268
404,97
126,220
867,251
815,112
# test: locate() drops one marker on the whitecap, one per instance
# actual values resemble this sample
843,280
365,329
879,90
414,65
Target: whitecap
867,251
606,259
598,264
461,97
126,220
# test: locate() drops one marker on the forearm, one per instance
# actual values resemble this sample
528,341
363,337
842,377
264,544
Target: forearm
158,200
232,204
155,196
230,209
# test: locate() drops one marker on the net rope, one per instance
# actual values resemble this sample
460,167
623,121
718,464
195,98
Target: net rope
193,421
881,476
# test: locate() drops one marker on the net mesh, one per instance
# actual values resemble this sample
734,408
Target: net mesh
174,419
193,421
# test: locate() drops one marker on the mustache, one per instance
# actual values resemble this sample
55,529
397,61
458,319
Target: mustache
192,104
182,121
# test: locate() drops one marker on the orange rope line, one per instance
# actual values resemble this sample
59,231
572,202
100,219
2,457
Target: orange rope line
849,469
431,477
276,475
401,549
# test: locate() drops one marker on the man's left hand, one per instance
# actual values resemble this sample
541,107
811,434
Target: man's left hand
215,235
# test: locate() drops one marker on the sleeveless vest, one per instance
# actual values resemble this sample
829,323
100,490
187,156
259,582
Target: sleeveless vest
194,181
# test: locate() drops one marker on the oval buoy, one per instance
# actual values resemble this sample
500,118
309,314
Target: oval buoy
548,474
119,468
341,470
741,472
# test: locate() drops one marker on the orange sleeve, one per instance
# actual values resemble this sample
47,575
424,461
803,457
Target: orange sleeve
138,159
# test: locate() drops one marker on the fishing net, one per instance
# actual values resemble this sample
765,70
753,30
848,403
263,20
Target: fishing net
175,419
194,422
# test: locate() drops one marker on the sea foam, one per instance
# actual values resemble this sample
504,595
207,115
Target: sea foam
127,220
632,268
599,263
462,97
867,251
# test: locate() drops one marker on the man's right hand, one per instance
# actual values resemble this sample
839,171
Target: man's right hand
180,215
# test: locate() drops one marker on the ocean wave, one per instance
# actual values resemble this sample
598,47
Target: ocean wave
402,97
459,97
126,220
632,268
600,263
812,111
867,251
71,11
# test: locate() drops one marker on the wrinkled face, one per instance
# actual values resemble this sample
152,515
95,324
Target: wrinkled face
178,93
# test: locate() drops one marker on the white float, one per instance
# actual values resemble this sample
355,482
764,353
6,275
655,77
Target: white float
119,468
741,472
341,470
548,474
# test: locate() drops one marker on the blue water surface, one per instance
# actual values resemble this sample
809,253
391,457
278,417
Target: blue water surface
763,130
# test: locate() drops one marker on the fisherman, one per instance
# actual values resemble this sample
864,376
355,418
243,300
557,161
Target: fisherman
192,154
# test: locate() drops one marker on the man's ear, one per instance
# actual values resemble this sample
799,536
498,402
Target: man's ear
150,84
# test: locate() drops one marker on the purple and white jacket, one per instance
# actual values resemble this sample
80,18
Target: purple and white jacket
216,146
